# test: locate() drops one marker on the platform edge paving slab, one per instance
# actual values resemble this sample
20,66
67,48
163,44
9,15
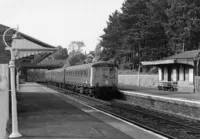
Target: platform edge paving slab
177,105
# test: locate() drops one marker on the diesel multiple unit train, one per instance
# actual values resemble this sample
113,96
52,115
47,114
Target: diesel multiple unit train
95,79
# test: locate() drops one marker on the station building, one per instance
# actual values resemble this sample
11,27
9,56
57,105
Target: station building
180,71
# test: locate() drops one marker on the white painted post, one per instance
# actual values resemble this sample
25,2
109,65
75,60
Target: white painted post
165,74
174,74
15,132
191,75
17,79
181,74
160,74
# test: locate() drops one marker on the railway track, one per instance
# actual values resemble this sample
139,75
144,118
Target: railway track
164,124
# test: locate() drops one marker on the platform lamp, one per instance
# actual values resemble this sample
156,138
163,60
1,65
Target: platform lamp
15,133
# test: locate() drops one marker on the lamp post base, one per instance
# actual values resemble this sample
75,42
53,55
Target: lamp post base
15,135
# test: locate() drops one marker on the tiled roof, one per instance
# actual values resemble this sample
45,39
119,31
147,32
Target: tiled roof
184,55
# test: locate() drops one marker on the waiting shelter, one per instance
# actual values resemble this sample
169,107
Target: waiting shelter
178,72
18,49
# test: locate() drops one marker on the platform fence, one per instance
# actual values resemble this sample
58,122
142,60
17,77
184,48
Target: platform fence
144,80
4,100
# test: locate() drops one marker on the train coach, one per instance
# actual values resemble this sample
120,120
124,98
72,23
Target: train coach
95,79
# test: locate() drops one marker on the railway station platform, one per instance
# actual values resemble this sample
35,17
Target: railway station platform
44,113
184,104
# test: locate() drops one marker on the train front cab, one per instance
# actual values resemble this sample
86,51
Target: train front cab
104,79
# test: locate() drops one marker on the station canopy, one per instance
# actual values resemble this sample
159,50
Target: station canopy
28,50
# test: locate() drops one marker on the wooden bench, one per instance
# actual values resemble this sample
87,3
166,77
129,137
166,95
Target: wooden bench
167,86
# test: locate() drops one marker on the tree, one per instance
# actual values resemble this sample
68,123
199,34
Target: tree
75,47
151,30
111,39
60,54
183,25
77,59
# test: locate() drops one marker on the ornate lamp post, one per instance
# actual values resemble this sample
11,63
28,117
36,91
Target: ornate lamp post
13,52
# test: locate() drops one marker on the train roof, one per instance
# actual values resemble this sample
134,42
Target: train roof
85,66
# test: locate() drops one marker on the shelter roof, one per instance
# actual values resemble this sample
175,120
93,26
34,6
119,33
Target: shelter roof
186,57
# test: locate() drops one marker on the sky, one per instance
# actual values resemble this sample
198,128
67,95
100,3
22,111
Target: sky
59,22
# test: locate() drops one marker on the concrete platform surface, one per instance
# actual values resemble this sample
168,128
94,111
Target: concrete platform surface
44,113
155,92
